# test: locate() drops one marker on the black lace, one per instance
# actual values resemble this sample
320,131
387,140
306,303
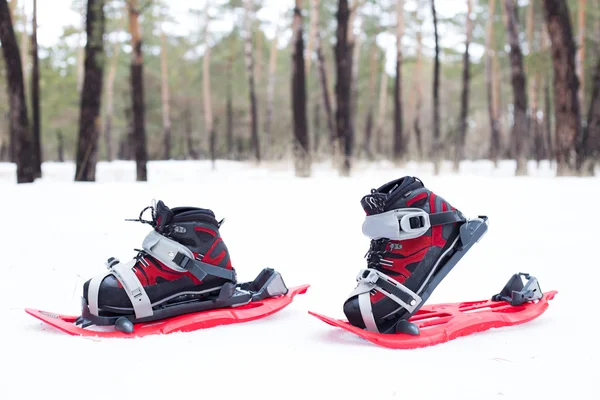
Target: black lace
152,222
377,251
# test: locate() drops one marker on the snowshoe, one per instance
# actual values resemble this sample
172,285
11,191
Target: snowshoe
183,269
440,323
417,238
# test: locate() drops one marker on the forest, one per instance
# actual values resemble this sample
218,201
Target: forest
327,81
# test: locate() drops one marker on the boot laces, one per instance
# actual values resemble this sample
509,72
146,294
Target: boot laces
151,222
377,251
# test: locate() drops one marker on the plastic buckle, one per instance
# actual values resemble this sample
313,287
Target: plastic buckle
367,276
406,217
111,262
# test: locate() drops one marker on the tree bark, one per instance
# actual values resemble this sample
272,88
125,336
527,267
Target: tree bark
19,124
301,141
191,152
137,92
436,94
60,147
110,91
566,85
35,97
536,133
343,88
249,57
519,136
165,97
398,147
79,61
581,52
89,118
418,89
490,85
25,49
271,81
464,97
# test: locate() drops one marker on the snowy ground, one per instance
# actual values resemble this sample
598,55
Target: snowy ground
56,234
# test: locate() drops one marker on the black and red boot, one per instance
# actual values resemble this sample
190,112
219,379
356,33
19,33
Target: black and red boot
183,267
416,237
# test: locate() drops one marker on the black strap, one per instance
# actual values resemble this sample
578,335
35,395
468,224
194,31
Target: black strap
201,269
388,287
441,218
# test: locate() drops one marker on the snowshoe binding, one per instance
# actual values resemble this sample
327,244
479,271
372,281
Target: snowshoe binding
183,268
416,237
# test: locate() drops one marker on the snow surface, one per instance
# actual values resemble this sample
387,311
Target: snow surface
55,234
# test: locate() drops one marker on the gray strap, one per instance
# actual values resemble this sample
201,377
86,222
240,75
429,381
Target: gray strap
165,249
370,279
93,292
201,269
133,288
366,311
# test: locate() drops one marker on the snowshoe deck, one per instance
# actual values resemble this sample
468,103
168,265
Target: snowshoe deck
254,310
440,323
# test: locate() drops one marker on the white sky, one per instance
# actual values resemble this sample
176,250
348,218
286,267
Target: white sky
53,15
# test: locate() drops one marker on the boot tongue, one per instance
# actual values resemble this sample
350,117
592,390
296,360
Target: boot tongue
163,215
384,198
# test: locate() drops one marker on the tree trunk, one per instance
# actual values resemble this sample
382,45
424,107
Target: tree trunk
165,97
490,84
89,118
398,148
343,88
592,130
207,95
25,48
110,91
534,123
566,86
382,107
229,106
271,81
301,141
418,89
80,50
436,94
581,52
60,146
326,98
19,124
249,57
35,97
367,146
464,97
519,136
137,92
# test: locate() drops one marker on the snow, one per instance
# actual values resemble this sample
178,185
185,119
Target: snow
56,234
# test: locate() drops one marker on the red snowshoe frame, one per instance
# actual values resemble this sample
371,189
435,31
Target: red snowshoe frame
183,323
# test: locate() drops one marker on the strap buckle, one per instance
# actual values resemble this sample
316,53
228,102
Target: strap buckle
391,288
399,224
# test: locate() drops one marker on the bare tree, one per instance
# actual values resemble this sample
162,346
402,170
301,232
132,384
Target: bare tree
436,94
206,91
566,86
35,96
19,123
165,97
399,144
249,57
464,97
137,91
301,141
343,88
271,81
580,62
89,118
491,84
519,135
324,81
